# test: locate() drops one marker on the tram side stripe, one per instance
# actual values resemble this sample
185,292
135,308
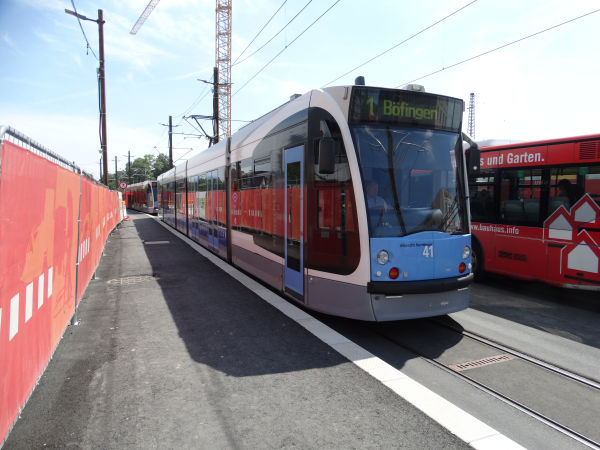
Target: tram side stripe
460,423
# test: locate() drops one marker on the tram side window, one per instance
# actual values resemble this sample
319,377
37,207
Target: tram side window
520,192
220,196
181,196
192,188
482,198
201,197
250,220
170,196
262,173
334,242
247,173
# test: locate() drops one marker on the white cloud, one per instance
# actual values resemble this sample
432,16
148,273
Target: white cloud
289,88
48,38
46,4
9,42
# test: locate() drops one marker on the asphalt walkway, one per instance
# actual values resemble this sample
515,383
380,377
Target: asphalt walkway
170,351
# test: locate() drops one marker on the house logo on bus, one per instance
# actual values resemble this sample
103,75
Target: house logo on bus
578,231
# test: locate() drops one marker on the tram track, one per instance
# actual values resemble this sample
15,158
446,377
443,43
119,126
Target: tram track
570,430
519,354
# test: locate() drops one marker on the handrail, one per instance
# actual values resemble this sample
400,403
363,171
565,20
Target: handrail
28,143
16,137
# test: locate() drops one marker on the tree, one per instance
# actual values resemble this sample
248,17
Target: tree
161,165
149,167
141,168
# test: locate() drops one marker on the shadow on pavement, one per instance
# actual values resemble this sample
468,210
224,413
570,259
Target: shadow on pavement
231,329
222,323
569,313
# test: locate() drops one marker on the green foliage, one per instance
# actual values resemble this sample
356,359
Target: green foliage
161,165
149,167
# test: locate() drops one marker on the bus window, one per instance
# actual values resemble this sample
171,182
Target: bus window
566,187
592,182
482,198
520,196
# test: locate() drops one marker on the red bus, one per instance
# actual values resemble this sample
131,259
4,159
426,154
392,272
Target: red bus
535,211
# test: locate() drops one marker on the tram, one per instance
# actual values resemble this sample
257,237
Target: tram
142,196
349,200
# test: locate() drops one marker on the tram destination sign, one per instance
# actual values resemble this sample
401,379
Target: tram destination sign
378,105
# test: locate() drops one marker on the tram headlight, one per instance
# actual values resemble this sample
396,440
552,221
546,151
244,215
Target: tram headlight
383,257
466,252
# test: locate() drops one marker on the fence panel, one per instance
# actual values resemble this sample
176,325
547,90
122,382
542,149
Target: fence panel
40,244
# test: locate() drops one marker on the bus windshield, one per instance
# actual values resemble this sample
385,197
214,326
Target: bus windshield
410,179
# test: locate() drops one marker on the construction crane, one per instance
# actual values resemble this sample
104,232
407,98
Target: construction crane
222,72
471,126
149,8
222,113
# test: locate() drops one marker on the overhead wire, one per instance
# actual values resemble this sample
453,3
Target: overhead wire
400,43
84,35
276,34
88,48
261,30
181,117
284,49
501,47
198,99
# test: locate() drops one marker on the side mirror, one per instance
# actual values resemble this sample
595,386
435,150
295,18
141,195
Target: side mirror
327,155
473,156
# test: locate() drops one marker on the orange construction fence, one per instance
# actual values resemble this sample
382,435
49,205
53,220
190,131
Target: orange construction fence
54,223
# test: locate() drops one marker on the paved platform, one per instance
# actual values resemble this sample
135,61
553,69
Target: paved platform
170,351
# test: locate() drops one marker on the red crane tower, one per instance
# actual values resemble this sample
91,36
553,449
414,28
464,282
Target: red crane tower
222,80
472,115
222,72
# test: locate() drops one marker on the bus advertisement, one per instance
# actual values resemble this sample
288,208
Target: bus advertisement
535,211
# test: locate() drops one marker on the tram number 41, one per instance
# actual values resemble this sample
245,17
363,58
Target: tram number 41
428,251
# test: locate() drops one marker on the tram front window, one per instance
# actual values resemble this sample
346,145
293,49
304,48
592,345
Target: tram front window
410,180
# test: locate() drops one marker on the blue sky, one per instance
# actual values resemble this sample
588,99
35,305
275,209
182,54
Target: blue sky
545,86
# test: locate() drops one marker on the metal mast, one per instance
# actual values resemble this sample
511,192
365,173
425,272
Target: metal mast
472,115
223,65
149,8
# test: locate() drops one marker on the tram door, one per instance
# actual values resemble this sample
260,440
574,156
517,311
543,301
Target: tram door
294,223
212,188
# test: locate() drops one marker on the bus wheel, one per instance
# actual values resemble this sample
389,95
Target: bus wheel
477,262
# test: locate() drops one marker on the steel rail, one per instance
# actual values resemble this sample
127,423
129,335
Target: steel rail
524,356
505,399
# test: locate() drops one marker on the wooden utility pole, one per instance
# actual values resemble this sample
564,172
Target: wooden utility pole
103,139
215,106
170,142
101,77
